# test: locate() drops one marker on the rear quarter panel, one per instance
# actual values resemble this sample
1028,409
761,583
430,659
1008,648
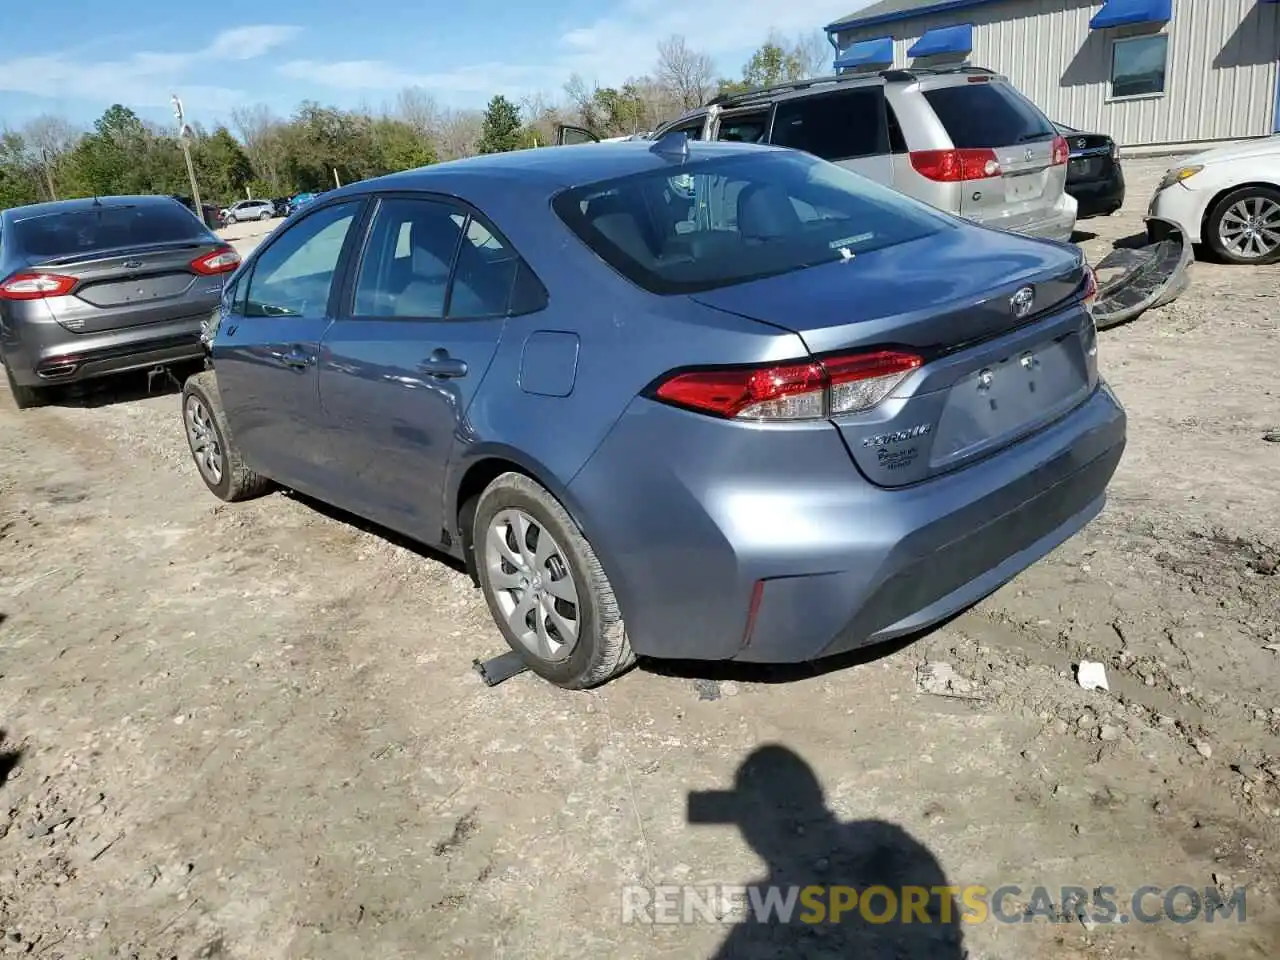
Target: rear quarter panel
625,338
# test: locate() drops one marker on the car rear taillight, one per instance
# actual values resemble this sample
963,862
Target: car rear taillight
806,390
953,166
1089,287
223,260
36,286
1061,152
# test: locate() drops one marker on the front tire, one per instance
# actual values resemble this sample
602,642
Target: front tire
219,462
1244,226
545,587
24,398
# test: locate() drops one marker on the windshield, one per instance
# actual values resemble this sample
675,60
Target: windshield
108,227
734,219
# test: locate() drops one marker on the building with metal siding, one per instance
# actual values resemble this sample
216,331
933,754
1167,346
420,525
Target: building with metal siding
1097,64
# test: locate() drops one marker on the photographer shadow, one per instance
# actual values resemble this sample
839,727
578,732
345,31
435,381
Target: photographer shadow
779,806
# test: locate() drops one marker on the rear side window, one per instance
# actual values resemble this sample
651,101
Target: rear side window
107,227
733,219
834,126
744,128
431,259
978,115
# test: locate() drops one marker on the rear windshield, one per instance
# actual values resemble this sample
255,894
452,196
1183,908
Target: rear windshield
729,220
979,115
107,227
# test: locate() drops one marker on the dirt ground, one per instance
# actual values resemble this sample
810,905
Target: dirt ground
254,731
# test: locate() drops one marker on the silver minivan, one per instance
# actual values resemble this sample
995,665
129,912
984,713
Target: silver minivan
962,139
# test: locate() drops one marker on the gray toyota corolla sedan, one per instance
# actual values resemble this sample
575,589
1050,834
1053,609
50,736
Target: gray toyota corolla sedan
103,285
693,400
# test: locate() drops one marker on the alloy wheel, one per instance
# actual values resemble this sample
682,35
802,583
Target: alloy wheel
533,584
1250,228
203,438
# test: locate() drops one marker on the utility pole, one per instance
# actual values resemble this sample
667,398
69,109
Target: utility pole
48,173
184,138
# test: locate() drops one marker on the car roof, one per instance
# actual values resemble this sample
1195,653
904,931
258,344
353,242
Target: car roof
550,169
49,207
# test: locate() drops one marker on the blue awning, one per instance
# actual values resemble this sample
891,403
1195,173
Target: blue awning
867,53
1121,13
957,39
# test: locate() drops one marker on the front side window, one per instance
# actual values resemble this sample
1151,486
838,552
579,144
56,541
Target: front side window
834,126
1138,66
293,277
733,219
431,259
744,128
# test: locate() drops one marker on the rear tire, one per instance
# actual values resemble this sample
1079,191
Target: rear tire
218,461
543,582
265,215
1230,215
24,398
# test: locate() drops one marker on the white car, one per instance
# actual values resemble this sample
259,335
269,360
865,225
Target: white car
1227,198
249,210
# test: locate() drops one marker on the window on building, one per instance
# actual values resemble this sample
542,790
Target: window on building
1138,66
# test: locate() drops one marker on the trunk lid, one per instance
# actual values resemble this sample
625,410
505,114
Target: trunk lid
989,377
132,286
1090,156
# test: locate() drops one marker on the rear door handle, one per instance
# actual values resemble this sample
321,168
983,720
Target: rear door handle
443,366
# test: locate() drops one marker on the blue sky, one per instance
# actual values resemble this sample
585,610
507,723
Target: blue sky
241,52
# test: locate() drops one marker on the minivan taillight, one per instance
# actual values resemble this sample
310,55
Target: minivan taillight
223,260
804,390
36,286
1061,152
954,166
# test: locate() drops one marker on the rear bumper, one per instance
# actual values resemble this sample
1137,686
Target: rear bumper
1056,223
46,354
1098,198
698,524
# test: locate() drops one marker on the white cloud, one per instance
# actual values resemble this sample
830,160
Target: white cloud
145,79
246,43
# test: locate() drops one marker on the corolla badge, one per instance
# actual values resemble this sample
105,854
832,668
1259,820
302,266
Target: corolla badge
1029,154
132,264
1021,302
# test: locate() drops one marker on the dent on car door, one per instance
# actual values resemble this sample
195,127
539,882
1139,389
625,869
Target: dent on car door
266,348
399,370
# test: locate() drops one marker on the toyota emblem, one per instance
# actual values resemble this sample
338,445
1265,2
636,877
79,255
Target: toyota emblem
1022,302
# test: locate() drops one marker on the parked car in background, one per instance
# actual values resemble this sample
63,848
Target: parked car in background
961,139
280,207
209,212
92,287
1228,199
243,210
1094,176
300,200
811,393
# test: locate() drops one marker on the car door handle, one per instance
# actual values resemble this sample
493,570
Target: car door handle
443,366
296,359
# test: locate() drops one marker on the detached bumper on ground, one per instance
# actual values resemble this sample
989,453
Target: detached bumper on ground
795,556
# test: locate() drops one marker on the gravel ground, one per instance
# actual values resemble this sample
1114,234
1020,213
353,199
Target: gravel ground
254,732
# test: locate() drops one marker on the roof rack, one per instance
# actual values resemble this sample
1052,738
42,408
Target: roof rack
898,76
914,73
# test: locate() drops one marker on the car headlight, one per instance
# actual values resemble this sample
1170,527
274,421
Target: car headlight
1178,175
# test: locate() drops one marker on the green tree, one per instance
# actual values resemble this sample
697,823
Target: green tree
500,132
400,146
221,165
19,178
